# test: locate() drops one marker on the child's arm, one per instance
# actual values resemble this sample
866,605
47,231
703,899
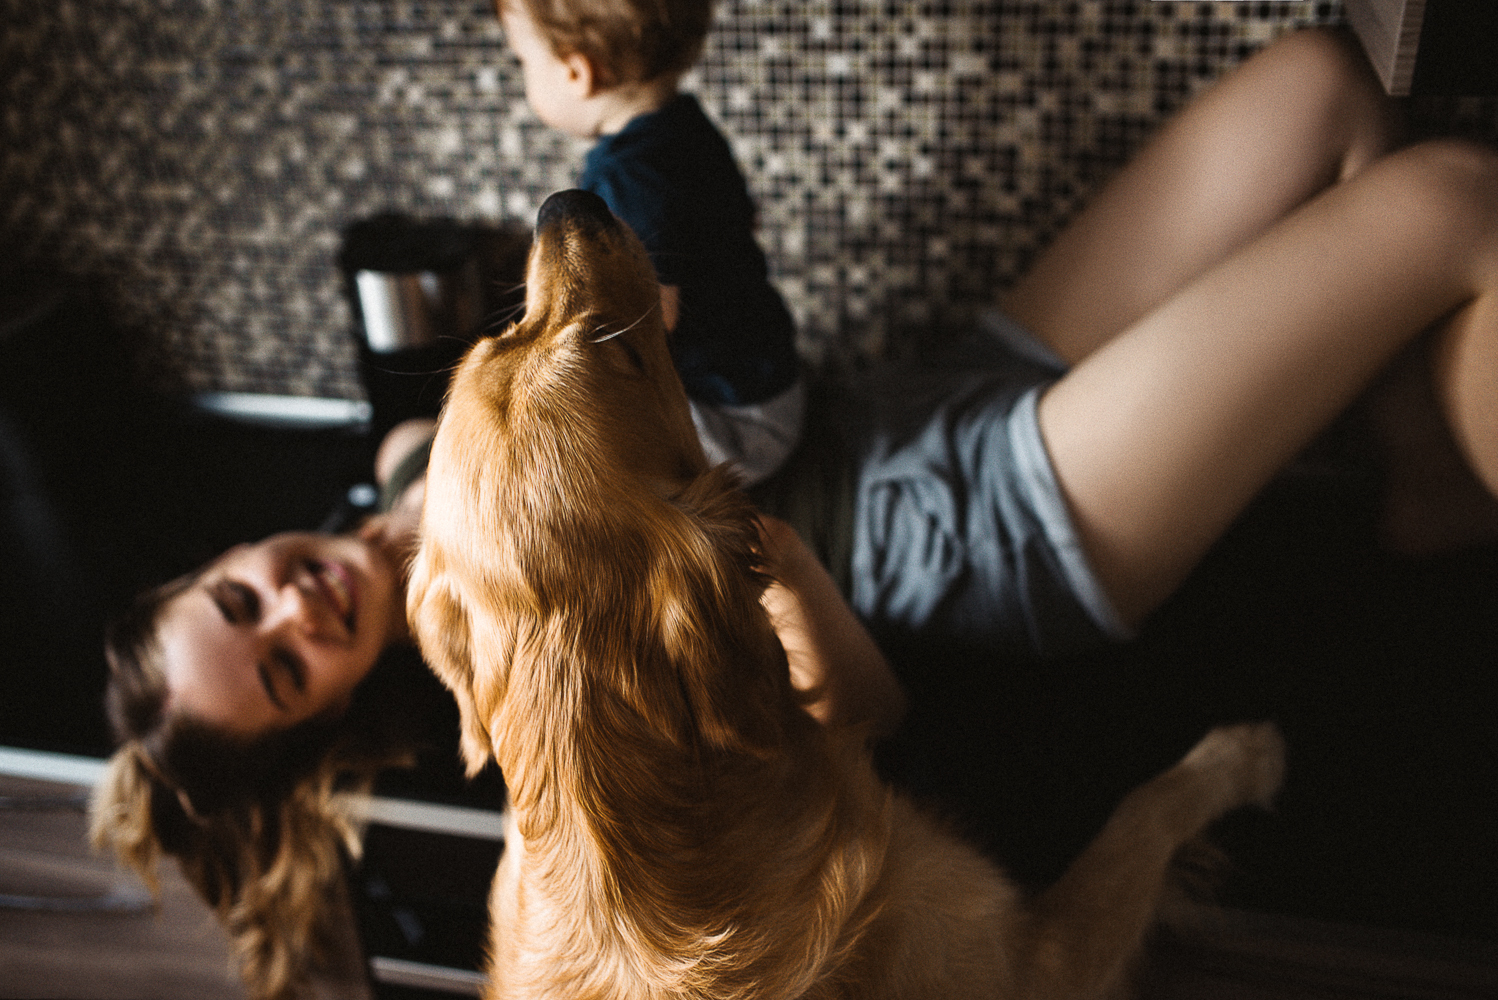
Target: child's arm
670,306
833,659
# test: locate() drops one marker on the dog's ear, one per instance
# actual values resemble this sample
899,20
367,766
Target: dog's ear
440,627
711,625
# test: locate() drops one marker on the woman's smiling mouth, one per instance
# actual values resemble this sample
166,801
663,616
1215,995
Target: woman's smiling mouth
336,584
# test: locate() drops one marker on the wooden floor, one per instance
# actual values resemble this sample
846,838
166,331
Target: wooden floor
129,951
177,951
1251,956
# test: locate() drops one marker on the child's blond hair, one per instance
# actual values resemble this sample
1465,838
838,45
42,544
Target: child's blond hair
628,41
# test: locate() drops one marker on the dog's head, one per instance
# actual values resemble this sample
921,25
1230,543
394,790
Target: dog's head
584,380
578,557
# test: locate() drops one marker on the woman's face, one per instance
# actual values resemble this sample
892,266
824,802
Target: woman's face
278,632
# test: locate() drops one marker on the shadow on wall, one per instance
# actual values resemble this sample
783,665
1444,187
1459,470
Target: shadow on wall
108,485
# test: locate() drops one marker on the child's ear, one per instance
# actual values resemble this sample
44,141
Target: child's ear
582,75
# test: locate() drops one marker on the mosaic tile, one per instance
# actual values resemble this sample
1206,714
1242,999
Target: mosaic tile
203,156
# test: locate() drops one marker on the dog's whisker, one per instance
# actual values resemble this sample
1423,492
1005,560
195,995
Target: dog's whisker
503,317
625,329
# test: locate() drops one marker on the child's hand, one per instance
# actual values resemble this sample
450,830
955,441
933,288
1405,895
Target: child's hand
834,662
670,305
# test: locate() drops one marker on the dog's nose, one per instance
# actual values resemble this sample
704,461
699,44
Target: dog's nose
576,207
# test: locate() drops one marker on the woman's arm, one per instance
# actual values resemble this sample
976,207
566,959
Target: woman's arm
402,439
395,530
833,659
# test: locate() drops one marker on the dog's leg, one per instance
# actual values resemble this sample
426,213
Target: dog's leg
1090,926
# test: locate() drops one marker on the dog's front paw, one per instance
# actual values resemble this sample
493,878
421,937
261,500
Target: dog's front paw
1246,760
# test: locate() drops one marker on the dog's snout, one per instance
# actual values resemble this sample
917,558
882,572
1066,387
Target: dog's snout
576,207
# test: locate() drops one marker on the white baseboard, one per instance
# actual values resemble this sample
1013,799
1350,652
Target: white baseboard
308,412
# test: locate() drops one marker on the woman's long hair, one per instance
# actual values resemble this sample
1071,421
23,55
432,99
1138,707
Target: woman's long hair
262,828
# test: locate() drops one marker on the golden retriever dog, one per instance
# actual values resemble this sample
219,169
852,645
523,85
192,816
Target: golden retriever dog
679,825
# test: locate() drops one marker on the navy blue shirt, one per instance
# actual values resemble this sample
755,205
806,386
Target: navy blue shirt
671,176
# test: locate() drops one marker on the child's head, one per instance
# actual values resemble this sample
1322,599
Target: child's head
626,41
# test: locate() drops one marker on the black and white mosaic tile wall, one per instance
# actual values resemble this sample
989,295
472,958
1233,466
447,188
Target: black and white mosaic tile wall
203,156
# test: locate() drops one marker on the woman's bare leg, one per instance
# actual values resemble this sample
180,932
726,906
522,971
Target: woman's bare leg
1163,434
1466,383
1432,500
1295,118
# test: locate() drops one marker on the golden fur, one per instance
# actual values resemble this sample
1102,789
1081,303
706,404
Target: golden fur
680,827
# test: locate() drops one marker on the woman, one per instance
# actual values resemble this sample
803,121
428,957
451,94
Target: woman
256,697
1220,302
247,705
1046,485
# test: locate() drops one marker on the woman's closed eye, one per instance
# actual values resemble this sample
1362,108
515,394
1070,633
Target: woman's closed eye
282,667
239,604
270,686
292,666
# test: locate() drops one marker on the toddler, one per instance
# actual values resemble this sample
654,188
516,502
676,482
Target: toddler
609,70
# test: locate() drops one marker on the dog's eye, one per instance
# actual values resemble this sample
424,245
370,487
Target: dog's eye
621,352
634,355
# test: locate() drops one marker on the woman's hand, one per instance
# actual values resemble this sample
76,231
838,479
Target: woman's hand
834,662
395,531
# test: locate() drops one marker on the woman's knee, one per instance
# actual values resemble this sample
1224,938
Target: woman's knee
1331,72
1450,185
1327,59
1458,164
